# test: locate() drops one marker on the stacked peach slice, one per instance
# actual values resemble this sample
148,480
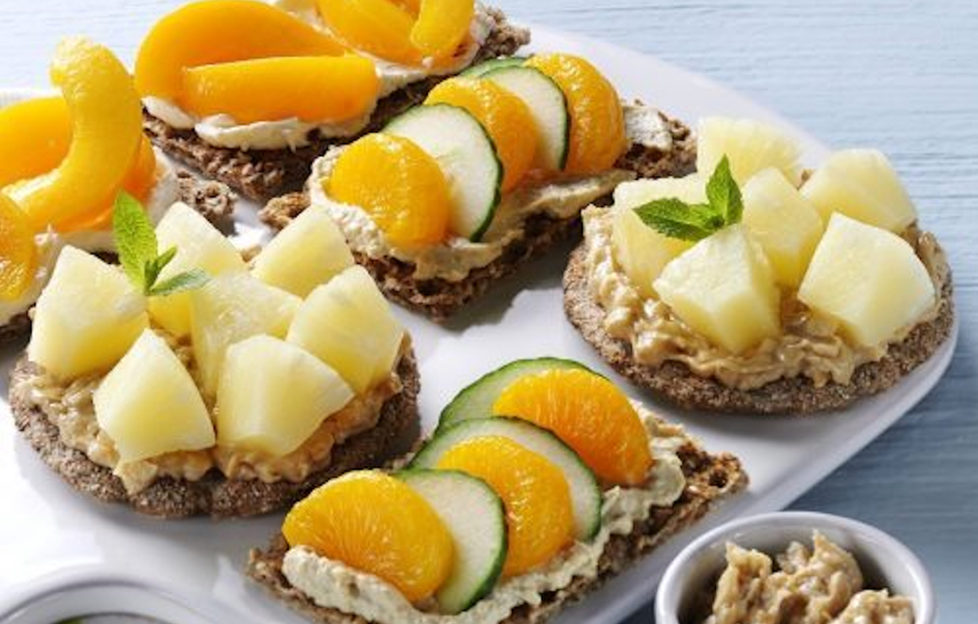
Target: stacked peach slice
508,481
63,159
256,62
440,170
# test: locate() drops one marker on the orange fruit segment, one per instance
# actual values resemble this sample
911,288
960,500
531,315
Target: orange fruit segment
18,252
34,138
399,185
590,414
312,88
106,119
504,116
534,491
597,137
379,525
380,27
221,31
441,26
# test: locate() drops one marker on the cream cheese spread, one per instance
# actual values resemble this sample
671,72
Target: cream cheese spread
293,133
50,243
332,584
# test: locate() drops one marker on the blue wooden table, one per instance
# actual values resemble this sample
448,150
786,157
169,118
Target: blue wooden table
900,75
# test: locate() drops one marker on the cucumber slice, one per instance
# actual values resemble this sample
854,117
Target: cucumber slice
477,71
584,491
547,104
474,515
475,400
467,157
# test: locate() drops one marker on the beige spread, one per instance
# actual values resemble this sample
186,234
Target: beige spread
70,407
821,586
332,584
809,345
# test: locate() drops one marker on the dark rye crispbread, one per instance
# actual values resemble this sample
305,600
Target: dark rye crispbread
262,174
437,298
709,479
214,494
798,395
214,200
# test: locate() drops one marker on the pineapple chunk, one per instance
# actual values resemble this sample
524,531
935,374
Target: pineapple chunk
274,395
868,279
862,184
723,288
149,404
199,246
785,224
306,254
87,317
750,145
642,251
230,308
349,325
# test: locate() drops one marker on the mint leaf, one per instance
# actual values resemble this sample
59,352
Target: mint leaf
189,280
135,238
724,195
676,219
155,266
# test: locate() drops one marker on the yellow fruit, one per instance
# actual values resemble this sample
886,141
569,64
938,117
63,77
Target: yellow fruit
377,524
149,404
862,184
106,118
270,89
18,251
229,308
380,27
348,324
590,414
442,26
503,115
221,31
749,145
87,317
400,186
304,255
273,395
199,246
868,279
597,136
785,224
34,138
723,288
539,517
642,251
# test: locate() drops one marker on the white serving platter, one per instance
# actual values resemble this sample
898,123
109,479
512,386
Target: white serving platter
65,553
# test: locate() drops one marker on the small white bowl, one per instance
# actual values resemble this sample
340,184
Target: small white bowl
885,562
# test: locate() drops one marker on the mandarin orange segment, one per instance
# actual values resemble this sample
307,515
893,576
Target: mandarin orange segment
539,516
504,116
18,252
590,414
312,88
106,118
34,138
442,25
221,31
380,27
400,186
597,121
375,523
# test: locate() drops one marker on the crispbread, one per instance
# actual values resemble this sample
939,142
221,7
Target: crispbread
214,200
262,174
709,478
214,494
438,298
798,395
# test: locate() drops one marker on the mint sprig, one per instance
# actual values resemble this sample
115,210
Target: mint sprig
135,240
677,219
